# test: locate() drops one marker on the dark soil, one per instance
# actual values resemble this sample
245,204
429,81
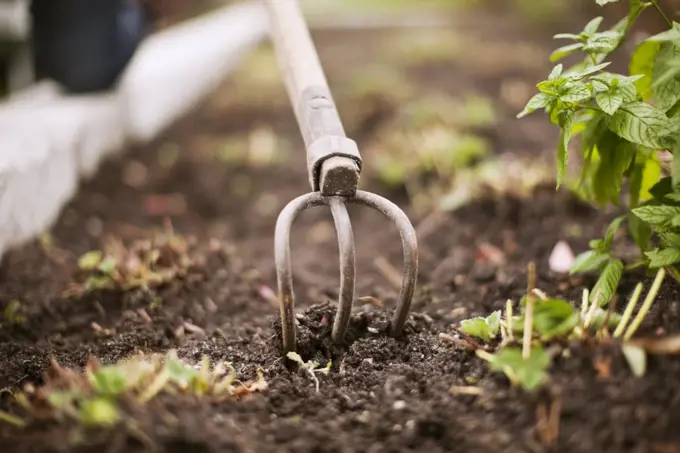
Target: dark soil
383,394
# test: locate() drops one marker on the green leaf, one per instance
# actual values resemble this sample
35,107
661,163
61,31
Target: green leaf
657,216
181,374
640,231
485,329
602,43
109,381
675,169
589,261
609,102
665,81
608,282
578,75
98,412
611,231
567,36
564,51
566,119
90,260
575,92
642,63
530,373
538,101
672,35
670,239
556,72
663,257
593,25
641,123
616,156
550,316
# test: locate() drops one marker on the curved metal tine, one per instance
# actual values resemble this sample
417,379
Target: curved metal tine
284,270
347,267
410,245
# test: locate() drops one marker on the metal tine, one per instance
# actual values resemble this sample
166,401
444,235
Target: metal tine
347,261
284,269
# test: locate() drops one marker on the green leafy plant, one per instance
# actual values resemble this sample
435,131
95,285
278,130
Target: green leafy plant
94,397
529,372
627,124
485,329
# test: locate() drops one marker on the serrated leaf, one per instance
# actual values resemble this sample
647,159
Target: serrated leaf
641,123
485,329
657,216
538,101
556,72
672,35
589,261
642,63
616,156
611,231
530,373
663,257
665,84
670,239
593,25
608,282
565,51
578,75
550,315
640,231
566,120
575,93
609,102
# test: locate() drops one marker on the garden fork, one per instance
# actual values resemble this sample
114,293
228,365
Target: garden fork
333,165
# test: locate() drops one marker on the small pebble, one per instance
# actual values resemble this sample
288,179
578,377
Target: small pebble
399,405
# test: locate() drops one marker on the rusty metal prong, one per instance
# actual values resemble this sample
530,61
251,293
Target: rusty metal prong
284,271
409,243
347,267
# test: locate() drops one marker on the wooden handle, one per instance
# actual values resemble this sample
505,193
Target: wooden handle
315,110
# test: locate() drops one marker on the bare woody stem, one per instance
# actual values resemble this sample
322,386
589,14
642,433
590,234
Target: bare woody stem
529,311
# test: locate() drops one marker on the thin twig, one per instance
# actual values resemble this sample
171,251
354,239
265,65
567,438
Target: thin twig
628,312
529,311
651,295
658,8
508,319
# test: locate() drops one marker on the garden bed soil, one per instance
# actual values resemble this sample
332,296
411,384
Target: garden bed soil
382,394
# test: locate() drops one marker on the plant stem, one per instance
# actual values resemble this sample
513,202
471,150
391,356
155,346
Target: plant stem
508,319
658,8
584,302
529,312
651,295
628,312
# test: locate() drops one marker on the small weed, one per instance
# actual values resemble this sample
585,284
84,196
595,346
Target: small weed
98,396
310,366
12,314
144,264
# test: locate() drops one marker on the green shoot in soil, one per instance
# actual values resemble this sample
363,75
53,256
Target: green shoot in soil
311,367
